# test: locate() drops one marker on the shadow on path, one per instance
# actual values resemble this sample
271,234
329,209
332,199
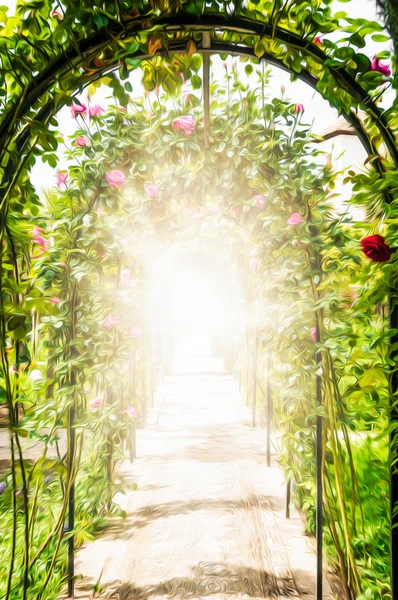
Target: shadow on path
208,579
143,517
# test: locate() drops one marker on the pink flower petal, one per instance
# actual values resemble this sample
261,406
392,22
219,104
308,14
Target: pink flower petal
258,200
185,123
136,331
116,178
295,219
62,177
152,190
81,141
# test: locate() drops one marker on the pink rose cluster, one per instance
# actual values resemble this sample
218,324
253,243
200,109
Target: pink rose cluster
81,109
62,178
152,190
295,219
81,141
116,178
313,334
95,403
379,67
40,241
258,200
186,124
125,277
131,412
110,322
253,263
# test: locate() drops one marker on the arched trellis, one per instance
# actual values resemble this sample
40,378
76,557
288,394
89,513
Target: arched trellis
256,37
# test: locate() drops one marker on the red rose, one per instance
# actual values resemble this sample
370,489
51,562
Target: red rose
375,248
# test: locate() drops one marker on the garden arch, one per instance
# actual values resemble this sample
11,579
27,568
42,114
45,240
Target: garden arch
48,53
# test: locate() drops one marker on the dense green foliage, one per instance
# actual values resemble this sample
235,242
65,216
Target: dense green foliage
66,321
99,235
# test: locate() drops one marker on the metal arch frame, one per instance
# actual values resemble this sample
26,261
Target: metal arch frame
102,40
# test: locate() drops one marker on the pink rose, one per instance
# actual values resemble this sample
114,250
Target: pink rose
40,240
131,412
78,109
110,322
62,177
295,219
95,111
253,262
55,300
136,331
125,276
81,141
152,190
313,333
36,231
318,39
186,124
258,200
377,65
57,14
95,403
116,178
298,108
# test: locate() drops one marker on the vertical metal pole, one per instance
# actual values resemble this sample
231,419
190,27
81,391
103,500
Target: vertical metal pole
144,398
206,43
71,506
254,389
393,316
133,441
151,365
247,367
288,497
269,409
319,483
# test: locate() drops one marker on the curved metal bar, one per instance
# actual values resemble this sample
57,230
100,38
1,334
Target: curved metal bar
171,23
102,39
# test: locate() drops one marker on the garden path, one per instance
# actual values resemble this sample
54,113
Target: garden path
207,520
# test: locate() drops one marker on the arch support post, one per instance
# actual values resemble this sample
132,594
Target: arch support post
393,439
206,44
254,388
269,409
319,482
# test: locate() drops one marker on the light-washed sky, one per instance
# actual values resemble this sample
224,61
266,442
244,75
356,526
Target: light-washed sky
317,110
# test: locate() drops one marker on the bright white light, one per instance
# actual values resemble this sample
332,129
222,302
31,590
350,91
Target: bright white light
193,306
196,305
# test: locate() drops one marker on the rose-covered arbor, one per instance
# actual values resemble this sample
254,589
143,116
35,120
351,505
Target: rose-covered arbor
48,52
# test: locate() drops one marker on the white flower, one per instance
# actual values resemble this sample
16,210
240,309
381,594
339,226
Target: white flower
36,375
